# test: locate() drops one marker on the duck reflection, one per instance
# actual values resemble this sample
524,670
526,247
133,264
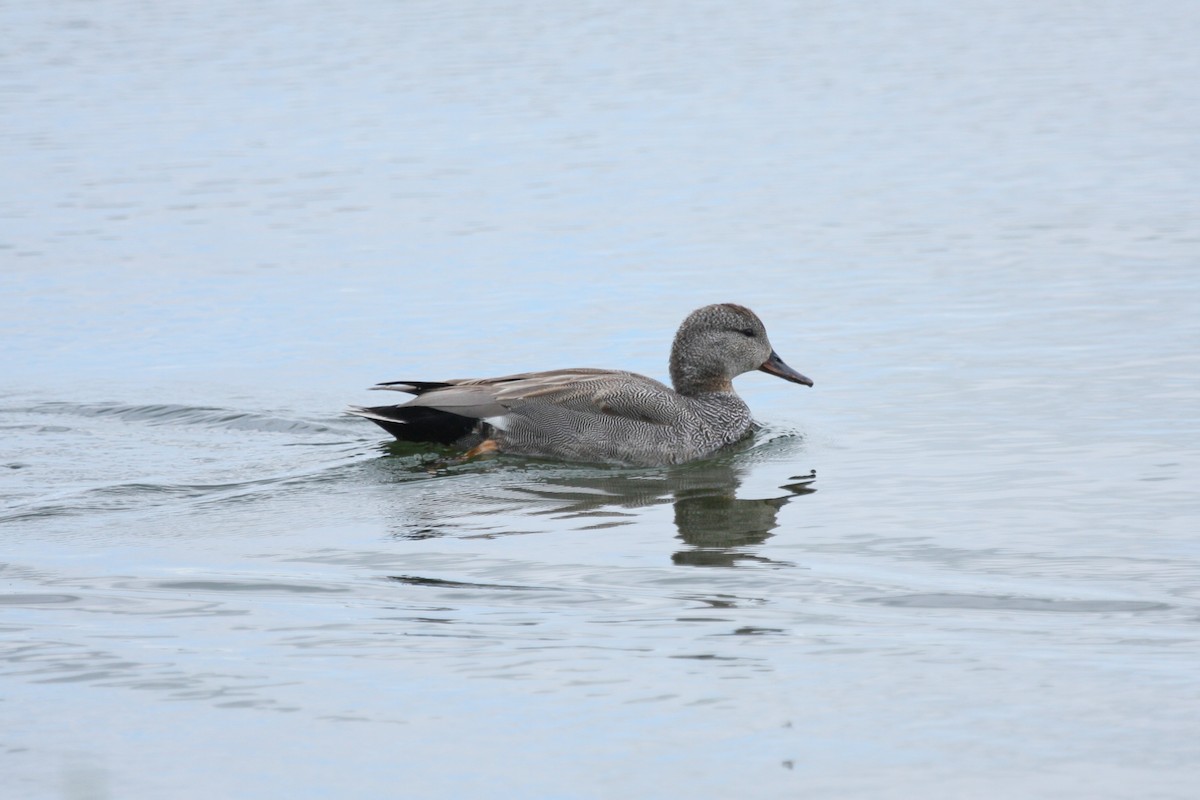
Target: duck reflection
718,527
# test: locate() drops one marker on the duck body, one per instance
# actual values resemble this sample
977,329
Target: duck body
600,416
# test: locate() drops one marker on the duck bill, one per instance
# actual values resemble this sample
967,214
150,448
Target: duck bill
775,366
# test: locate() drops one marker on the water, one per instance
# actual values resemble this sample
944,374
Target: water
964,564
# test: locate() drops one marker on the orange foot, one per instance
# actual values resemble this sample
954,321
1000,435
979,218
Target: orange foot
482,449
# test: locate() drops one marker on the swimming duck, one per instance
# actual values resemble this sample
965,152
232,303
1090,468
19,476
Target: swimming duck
600,415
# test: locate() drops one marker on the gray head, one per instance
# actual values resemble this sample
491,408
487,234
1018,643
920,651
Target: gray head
717,343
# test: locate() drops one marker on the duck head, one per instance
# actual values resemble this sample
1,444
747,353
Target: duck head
717,343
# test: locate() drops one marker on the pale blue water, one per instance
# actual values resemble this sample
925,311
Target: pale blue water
964,564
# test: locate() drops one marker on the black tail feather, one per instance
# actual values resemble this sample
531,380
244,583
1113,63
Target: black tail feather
420,424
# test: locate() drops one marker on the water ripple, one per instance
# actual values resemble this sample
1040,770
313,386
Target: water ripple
248,586
170,414
122,496
36,599
1015,603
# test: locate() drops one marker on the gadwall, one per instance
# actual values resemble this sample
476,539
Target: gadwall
600,415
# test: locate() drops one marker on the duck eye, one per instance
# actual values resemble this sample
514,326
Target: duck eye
748,332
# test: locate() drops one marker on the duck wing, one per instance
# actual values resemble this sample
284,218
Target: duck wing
589,391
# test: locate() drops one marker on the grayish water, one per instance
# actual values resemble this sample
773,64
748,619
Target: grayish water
965,564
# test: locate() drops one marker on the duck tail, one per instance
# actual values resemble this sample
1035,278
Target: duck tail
409,387
418,423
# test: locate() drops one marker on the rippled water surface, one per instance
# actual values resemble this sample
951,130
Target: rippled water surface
964,564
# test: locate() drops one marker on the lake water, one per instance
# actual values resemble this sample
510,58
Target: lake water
965,564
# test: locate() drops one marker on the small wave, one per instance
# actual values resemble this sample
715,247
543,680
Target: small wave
774,443
439,583
1015,603
250,586
123,496
36,599
171,414
115,497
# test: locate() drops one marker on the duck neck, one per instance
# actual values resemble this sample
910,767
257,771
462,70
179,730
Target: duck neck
693,379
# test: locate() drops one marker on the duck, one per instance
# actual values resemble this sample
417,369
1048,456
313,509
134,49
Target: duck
600,415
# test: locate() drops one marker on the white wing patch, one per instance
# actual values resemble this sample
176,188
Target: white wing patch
499,423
